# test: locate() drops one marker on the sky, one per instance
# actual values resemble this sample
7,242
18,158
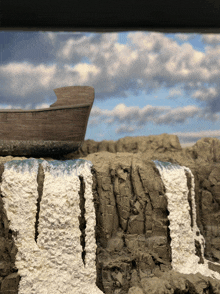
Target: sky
146,83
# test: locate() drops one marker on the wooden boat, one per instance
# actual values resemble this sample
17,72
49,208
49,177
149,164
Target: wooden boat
48,132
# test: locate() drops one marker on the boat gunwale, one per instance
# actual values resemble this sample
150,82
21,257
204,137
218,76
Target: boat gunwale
84,105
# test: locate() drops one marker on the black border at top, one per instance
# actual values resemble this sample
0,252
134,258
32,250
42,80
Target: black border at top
199,16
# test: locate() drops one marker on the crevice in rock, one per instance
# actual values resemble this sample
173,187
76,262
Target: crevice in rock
168,236
134,197
189,185
144,214
133,264
199,211
194,155
96,204
2,168
214,151
96,200
199,251
40,184
113,176
145,202
132,189
82,220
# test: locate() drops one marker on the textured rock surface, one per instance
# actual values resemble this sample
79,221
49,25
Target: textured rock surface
150,144
132,235
172,282
208,207
162,147
205,149
131,211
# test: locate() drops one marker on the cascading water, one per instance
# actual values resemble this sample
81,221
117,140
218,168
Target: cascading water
53,263
183,235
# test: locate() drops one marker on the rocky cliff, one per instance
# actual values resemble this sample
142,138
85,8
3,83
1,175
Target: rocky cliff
132,233
162,146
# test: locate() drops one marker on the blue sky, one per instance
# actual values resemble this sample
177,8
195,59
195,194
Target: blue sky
146,83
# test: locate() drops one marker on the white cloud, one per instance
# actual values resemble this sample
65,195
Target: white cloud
25,78
213,39
96,111
135,117
184,37
43,105
133,114
205,94
125,129
178,115
51,36
85,72
188,139
88,46
9,107
67,49
200,134
174,93
147,62
94,122
187,144
209,115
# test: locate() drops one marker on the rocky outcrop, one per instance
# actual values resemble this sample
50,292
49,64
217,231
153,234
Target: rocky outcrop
172,282
132,234
208,207
162,146
132,224
206,150
153,143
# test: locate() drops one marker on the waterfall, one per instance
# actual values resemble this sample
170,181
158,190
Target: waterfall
183,234
52,262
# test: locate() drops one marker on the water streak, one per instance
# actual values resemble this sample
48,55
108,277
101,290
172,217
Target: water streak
182,235
54,263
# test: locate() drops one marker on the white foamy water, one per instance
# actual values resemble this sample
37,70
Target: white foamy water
183,236
54,263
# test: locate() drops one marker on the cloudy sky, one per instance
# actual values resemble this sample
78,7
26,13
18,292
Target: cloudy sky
146,83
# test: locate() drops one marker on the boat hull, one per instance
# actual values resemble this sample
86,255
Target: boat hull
48,132
37,149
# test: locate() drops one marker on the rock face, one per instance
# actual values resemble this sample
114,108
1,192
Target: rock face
206,149
132,234
208,204
131,212
148,144
163,147
132,223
